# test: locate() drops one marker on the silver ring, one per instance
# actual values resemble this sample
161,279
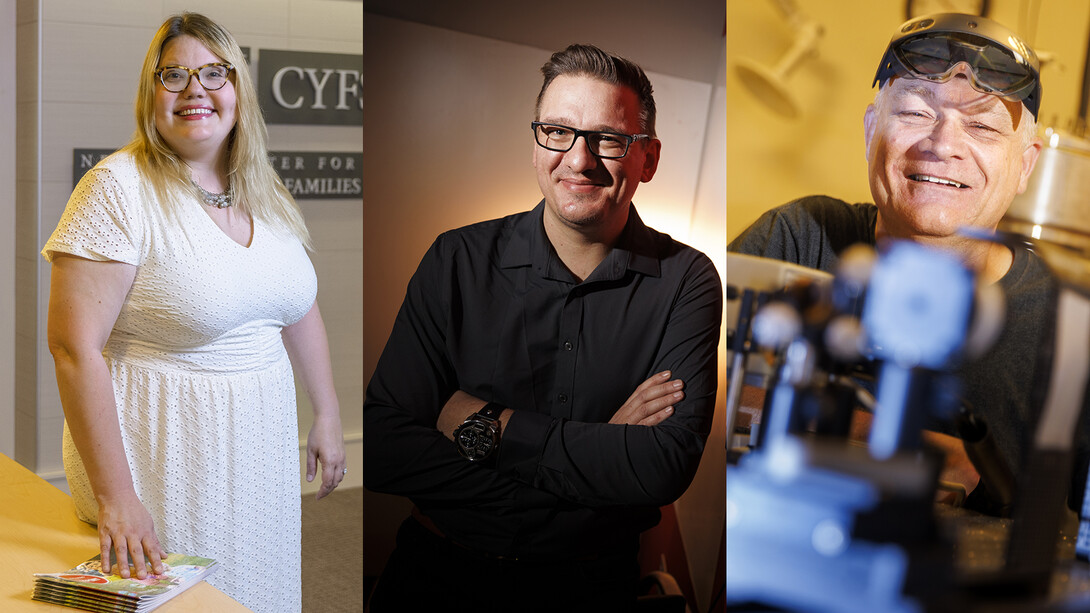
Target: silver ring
344,472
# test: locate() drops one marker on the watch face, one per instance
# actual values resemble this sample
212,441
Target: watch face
476,440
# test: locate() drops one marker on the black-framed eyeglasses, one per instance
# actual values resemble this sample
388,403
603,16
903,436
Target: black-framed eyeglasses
607,145
210,76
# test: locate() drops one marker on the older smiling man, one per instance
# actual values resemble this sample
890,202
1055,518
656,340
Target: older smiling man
950,141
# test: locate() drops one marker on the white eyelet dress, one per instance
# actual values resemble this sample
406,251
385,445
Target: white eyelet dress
204,389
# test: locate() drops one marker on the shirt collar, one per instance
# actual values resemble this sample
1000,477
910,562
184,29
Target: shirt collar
635,249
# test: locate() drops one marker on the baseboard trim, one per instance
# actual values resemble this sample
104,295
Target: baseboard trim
57,479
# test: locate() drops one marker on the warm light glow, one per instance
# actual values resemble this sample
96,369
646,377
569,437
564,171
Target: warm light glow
709,236
1036,233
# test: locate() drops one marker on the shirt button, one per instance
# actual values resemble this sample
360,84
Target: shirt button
563,397
567,345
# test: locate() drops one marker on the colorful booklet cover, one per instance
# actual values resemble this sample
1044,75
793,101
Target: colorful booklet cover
87,587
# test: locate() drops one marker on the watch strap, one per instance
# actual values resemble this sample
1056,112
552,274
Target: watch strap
492,410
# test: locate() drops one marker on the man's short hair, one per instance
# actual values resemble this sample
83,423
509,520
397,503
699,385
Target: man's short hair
588,60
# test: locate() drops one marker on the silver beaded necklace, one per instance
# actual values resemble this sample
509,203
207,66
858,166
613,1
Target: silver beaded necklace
220,201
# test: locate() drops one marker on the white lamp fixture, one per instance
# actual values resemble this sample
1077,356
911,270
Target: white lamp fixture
770,85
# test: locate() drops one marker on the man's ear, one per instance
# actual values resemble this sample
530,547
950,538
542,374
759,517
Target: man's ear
870,123
1029,161
651,159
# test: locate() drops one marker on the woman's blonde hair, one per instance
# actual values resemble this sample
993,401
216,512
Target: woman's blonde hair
258,189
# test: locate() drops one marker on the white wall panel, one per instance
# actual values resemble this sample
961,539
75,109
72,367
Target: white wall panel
103,12
666,203
326,20
76,125
338,222
241,17
49,447
322,45
287,137
91,63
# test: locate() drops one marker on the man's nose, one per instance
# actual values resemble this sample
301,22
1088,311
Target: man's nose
945,139
580,157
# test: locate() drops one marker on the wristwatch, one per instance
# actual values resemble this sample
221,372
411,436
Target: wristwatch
479,435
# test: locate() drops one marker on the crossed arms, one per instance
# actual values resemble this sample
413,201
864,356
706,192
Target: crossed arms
459,348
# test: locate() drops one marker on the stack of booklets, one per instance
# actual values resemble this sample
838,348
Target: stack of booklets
87,587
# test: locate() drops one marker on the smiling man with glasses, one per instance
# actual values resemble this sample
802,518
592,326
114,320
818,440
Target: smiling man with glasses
550,379
606,145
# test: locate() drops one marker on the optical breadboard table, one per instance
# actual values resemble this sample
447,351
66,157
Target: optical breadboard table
39,533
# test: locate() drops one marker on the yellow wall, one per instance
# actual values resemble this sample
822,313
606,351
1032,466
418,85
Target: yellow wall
772,160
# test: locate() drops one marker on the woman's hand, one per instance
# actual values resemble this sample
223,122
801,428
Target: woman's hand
325,444
652,402
308,348
126,527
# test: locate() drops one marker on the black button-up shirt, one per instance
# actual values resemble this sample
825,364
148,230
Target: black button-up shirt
492,311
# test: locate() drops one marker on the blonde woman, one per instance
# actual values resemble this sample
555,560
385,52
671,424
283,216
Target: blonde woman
181,298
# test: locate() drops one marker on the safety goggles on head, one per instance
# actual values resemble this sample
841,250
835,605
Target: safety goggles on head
931,48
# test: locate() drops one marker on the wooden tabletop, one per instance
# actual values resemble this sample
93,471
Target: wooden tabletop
39,533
